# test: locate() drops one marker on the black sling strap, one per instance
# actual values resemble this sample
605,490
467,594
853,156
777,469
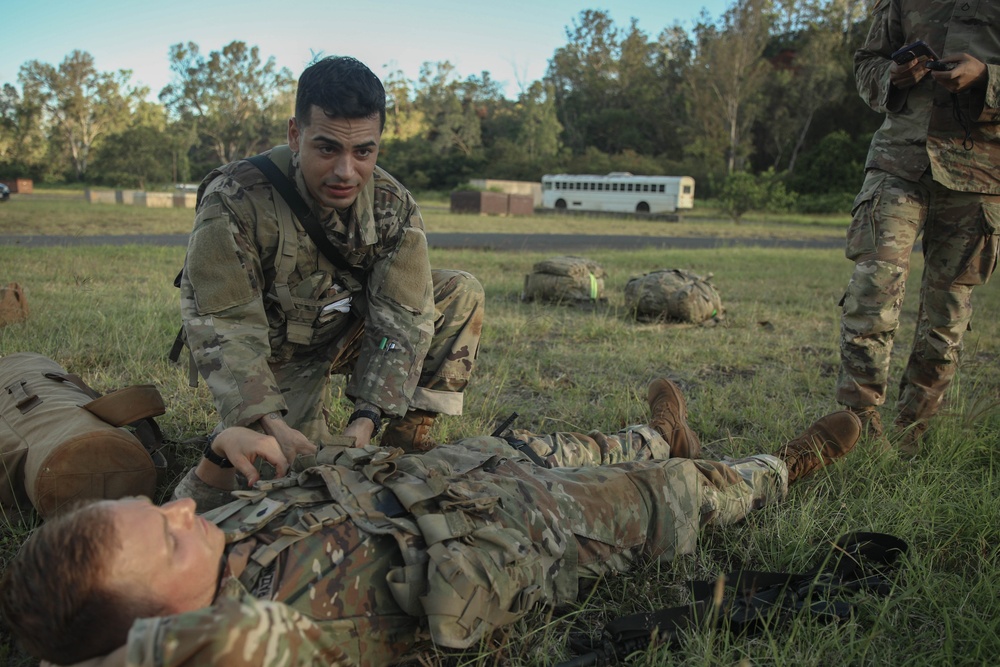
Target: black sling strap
745,600
286,188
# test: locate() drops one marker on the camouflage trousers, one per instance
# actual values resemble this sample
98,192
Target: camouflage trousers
729,488
960,234
458,324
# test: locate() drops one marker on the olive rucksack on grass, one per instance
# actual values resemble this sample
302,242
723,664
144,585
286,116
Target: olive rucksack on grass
675,295
61,441
565,280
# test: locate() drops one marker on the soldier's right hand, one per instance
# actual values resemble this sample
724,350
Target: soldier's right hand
291,440
242,446
908,74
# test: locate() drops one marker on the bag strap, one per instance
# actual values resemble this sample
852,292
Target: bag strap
286,188
133,406
746,600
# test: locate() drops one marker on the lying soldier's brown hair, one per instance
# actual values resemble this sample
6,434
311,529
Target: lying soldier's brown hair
54,597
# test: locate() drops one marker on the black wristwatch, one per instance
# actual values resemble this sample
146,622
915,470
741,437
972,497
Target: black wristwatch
368,414
212,457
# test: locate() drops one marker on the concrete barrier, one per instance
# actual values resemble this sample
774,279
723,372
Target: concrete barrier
185,199
99,196
154,199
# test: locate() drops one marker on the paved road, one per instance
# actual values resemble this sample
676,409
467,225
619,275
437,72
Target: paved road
509,242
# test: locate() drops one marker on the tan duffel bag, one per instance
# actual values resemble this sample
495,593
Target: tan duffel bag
60,441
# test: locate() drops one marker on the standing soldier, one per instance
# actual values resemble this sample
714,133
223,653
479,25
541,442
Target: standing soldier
310,260
932,167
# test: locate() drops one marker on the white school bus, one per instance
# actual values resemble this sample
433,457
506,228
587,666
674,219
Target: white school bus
619,191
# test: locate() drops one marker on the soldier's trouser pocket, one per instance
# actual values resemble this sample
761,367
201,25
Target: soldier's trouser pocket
982,254
861,239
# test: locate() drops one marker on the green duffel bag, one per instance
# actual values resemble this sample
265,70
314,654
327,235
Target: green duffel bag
566,279
674,294
60,441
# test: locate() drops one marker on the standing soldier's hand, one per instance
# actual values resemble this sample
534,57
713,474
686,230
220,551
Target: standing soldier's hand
908,74
968,72
291,440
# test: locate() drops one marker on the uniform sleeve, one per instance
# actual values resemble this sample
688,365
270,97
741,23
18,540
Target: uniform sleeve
205,496
236,633
223,312
988,110
400,321
872,62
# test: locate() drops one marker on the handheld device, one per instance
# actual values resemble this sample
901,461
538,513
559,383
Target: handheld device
939,66
910,51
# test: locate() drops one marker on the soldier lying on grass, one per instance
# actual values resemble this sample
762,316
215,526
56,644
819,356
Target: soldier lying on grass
359,558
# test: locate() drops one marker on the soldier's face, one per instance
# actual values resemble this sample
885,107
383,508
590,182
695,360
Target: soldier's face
168,553
336,155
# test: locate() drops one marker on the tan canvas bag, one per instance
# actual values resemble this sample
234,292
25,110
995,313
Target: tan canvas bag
60,441
13,304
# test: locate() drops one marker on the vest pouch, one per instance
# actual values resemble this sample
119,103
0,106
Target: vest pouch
55,449
315,322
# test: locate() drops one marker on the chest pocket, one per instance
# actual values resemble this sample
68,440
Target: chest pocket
317,309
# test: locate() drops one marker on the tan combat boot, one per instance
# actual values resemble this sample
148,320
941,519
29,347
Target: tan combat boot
668,415
828,439
911,433
411,432
871,421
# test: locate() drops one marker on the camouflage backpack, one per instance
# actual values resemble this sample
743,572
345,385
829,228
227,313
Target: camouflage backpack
673,294
566,279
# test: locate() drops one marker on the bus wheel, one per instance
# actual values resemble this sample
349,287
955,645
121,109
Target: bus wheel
642,207
561,204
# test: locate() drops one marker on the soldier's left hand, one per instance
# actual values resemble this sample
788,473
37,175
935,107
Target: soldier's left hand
968,72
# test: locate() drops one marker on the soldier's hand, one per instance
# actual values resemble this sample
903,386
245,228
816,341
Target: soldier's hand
291,440
908,74
361,430
242,446
968,72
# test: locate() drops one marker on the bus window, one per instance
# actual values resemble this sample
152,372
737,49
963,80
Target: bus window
687,189
630,187
661,187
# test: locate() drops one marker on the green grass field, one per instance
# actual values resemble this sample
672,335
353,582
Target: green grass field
110,314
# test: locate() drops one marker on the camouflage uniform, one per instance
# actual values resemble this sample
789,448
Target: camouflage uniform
377,550
268,318
920,178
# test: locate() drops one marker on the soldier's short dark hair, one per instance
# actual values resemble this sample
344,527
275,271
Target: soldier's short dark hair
56,596
343,87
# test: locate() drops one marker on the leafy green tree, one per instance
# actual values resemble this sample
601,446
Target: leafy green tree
22,134
743,192
238,103
140,154
726,81
451,109
80,104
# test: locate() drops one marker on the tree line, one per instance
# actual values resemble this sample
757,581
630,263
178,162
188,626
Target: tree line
758,103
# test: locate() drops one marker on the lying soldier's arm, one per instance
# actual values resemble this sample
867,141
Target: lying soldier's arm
233,450
233,633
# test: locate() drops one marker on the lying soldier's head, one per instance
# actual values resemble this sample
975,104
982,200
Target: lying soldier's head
81,579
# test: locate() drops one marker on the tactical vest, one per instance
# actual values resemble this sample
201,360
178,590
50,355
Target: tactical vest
327,305
465,569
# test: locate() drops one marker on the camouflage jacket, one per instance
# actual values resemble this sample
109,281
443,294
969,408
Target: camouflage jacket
355,561
253,294
920,128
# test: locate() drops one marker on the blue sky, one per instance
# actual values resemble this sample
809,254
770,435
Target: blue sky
511,39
